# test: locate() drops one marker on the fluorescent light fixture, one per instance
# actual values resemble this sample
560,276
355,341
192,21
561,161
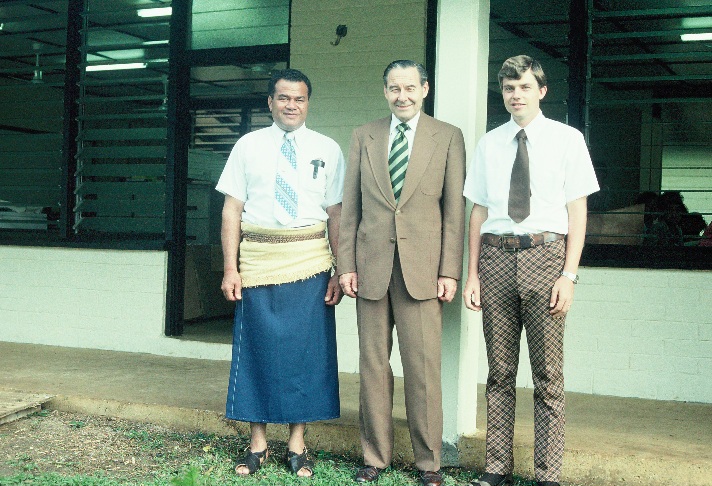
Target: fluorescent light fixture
116,67
697,37
155,12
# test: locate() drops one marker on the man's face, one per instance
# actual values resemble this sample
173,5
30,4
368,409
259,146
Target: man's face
522,96
289,105
404,92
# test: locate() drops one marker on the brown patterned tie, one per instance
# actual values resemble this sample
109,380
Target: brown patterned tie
519,192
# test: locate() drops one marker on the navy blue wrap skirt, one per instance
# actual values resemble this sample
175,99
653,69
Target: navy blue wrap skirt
284,367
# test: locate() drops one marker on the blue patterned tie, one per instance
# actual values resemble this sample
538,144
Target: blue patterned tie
285,193
398,160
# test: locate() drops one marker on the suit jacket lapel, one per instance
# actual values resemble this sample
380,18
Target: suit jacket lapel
423,148
377,149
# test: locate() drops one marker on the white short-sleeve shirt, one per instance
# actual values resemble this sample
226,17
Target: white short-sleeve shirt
560,171
251,170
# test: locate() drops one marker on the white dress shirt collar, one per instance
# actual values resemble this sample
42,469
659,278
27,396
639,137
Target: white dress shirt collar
533,129
412,123
278,134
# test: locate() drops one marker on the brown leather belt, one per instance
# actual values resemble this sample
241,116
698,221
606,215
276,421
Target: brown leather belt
519,242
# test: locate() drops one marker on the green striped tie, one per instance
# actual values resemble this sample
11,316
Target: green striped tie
398,160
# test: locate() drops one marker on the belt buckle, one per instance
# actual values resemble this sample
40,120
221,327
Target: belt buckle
510,249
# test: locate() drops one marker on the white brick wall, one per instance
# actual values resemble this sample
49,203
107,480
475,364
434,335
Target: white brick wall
631,332
100,299
636,333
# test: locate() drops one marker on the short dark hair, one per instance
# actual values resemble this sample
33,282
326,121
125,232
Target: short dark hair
515,67
404,64
293,75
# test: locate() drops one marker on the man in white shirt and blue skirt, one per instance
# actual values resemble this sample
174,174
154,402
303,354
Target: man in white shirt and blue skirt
283,187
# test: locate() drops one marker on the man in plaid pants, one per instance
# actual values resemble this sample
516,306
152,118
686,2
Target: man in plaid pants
529,181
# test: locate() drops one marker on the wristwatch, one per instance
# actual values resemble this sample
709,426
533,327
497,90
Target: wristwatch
571,276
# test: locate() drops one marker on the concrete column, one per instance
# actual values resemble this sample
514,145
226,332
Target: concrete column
461,99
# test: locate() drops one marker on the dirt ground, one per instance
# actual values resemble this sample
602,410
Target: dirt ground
66,443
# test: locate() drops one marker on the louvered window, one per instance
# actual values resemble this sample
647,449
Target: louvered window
121,166
32,34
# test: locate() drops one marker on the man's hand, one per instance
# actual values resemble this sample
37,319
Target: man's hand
333,291
349,284
562,296
447,287
471,294
232,286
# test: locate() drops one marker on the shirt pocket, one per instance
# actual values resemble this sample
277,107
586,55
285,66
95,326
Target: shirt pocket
313,176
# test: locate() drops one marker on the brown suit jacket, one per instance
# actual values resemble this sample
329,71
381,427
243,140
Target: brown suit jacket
427,224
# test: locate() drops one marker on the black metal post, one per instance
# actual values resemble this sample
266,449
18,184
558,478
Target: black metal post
431,31
71,112
177,165
578,63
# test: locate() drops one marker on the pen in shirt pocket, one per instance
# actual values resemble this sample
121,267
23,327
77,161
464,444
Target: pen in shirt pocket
317,163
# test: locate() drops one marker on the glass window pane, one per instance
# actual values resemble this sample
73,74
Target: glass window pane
650,116
537,29
31,120
239,23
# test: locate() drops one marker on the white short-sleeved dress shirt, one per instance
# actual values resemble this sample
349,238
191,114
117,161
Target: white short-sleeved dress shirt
560,171
409,134
251,170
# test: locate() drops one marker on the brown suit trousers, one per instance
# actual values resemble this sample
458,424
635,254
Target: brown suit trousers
417,323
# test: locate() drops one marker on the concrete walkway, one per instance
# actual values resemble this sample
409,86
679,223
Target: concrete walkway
609,440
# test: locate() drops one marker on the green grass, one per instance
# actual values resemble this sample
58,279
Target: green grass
212,464
215,468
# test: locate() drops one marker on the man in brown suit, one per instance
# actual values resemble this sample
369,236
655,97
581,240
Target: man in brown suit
400,256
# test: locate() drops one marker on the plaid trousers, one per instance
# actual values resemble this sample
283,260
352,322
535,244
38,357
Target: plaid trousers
515,294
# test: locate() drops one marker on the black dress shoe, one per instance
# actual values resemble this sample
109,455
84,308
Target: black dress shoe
547,483
431,478
490,479
367,474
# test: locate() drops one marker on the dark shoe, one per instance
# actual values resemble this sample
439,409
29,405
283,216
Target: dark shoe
252,461
367,474
297,462
490,479
431,478
547,483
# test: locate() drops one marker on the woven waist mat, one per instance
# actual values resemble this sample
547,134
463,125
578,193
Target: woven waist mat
270,256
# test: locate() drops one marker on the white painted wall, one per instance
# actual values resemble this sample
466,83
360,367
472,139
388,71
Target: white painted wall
631,332
460,93
347,79
99,299
636,333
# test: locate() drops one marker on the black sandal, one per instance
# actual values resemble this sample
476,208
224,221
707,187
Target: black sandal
297,462
252,461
